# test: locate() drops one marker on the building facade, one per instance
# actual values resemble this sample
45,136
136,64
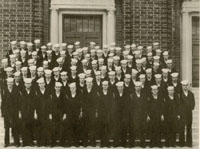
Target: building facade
172,23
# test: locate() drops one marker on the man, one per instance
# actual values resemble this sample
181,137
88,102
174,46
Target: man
90,106
172,115
73,75
57,111
156,116
105,113
119,76
64,81
10,109
176,83
41,114
26,113
187,106
120,118
138,115
73,111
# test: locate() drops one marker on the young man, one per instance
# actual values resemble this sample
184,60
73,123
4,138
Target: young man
138,115
187,106
10,109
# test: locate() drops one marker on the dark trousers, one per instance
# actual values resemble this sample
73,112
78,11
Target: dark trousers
56,133
155,133
27,133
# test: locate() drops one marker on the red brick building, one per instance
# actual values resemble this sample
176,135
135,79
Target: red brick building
104,21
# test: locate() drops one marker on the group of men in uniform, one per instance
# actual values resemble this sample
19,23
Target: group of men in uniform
70,96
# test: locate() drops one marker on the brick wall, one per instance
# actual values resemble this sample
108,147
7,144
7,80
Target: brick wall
23,20
146,21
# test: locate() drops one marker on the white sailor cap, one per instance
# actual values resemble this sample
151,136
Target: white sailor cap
63,44
55,69
125,52
4,60
158,51
156,64
88,72
144,59
127,46
74,61
49,44
59,60
62,52
63,73
97,73
185,82
111,73
140,47
170,88
82,75
116,58
94,62
73,68
110,60
128,76
49,51
87,55
129,57
113,44
156,43
138,83
89,79
79,50
118,68
43,47
70,46
48,71
29,44
105,83
72,85
24,69
40,80
165,70
84,61
40,69
120,84
149,70
22,52
103,68
105,46
92,43
99,51
138,61
16,51
10,80
123,61
45,62
100,60
34,53
17,73
165,53
22,42
169,61
142,76
12,56
18,63
156,57
149,47
27,80
56,45
58,84
134,71
133,45
158,76
92,51
118,48
13,42
75,53
30,61
137,52
111,54
149,54
154,87
37,41
77,43
174,75
97,48
32,68
85,48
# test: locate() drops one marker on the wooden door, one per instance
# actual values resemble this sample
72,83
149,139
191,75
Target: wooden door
83,28
195,51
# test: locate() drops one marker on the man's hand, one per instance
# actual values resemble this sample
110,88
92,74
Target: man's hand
179,117
20,115
35,115
80,115
148,118
50,116
64,117
162,118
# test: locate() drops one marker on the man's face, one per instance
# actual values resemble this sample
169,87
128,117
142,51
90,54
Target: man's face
44,50
56,73
165,75
174,79
17,78
112,77
154,91
33,72
149,75
40,73
41,85
137,88
47,76
116,62
64,77
28,85
166,57
149,58
185,87
171,92
105,86
127,80
70,50
57,88
82,80
118,72
89,84
57,49
73,72
120,89
12,60
142,80
158,80
10,84
34,57
124,66
169,65
9,73
73,89
49,47
94,66
98,77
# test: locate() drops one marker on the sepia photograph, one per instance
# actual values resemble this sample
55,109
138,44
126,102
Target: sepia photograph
99,74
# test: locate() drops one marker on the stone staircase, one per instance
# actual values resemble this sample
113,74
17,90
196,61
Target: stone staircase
195,125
